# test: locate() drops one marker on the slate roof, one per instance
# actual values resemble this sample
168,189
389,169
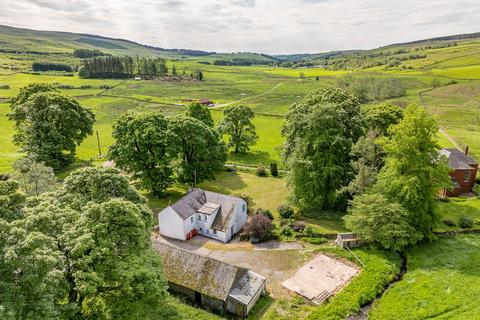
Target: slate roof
196,272
458,159
247,287
198,199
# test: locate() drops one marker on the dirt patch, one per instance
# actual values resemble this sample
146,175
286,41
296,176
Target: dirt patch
320,278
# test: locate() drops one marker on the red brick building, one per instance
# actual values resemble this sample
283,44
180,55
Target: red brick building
463,171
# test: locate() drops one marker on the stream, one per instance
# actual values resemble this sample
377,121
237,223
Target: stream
365,309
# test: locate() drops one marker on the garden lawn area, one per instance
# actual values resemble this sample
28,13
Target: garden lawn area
264,192
442,282
454,208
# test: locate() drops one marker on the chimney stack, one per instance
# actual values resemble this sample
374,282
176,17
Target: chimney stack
466,150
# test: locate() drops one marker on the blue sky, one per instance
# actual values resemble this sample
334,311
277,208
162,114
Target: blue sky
269,26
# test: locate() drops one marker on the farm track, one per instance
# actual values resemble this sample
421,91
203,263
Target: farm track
249,98
441,130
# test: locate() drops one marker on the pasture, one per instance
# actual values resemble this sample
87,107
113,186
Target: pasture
442,282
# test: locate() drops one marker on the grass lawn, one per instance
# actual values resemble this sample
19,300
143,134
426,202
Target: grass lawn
381,268
442,282
264,192
454,208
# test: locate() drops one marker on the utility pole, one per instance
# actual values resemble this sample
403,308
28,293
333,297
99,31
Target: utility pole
98,143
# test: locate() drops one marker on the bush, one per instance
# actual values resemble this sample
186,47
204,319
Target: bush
259,228
274,170
286,230
310,233
265,212
465,222
261,171
4,86
449,222
286,222
286,211
299,226
314,240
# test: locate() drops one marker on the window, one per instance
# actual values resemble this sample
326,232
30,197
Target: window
191,219
466,177
208,231
205,218
201,230
198,217
214,231
243,208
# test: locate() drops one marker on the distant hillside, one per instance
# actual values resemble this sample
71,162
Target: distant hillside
321,58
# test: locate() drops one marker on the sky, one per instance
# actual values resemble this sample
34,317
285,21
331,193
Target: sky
267,26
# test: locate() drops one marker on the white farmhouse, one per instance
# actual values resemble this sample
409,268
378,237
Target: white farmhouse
211,214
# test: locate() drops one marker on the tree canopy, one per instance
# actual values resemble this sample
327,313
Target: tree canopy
80,252
238,126
202,152
145,147
398,210
319,132
200,112
381,116
49,124
34,177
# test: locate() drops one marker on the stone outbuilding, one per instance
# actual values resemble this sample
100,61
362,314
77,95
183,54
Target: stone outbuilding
347,240
210,283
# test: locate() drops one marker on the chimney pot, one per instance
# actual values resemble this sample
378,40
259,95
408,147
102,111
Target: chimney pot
466,150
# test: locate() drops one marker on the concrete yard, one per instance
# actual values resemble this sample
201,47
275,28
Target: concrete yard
320,278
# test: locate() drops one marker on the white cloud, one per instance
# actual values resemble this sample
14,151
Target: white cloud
270,26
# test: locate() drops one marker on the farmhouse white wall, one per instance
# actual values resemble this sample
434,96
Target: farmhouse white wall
170,224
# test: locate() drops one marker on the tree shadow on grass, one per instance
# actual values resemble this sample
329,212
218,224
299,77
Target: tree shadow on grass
251,158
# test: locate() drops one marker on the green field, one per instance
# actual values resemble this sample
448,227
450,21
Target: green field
442,282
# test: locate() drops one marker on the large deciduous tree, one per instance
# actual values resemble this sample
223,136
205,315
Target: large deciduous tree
49,124
413,172
377,219
399,209
200,112
202,152
238,126
81,252
319,132
145,147
380,117
34,177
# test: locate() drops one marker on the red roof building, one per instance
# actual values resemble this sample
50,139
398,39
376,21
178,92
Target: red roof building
463,171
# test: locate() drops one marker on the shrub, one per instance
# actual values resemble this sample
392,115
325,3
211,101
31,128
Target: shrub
274,169
259,228
265,212
286,230
310,233
261,171
465,222
286,222
4,86
449,222
314,240
299,226
286,211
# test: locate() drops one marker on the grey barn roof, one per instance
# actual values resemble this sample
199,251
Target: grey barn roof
457,159
197,198
196,272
